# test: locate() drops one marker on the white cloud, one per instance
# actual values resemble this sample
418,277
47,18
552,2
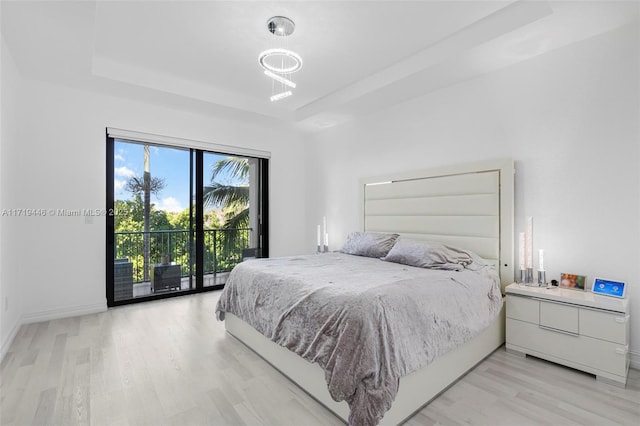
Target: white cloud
169,204
118,184
123,171
118,157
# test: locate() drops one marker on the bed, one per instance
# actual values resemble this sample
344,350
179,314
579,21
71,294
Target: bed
468,206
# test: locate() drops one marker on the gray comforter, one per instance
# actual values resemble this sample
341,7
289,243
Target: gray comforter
366,322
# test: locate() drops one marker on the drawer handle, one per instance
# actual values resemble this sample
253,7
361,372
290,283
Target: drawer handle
558,331
622,320
622,351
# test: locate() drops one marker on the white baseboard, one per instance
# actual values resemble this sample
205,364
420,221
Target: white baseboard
65,312
9,340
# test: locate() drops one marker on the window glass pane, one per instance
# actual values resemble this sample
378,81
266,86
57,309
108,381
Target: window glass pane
183,218
230,213
151,223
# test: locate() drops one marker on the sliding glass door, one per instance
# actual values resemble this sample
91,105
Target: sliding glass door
182,218
230,198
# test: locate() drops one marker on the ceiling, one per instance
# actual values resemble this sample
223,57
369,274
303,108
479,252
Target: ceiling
358,56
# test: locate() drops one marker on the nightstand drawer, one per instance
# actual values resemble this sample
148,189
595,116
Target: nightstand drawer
576,351
559,317
604,325
523,309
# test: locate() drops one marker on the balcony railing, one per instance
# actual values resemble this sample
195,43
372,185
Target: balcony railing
222,249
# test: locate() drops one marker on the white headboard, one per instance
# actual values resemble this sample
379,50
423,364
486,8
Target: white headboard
467,205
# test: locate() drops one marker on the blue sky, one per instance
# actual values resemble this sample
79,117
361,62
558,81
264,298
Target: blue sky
170,164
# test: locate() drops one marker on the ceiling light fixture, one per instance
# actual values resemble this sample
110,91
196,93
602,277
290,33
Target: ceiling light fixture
282,95
294,61
280,62
282,80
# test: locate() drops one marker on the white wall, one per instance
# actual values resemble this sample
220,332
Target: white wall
10,287
59,162
569,118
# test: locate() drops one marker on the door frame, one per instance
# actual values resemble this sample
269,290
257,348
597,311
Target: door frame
197,155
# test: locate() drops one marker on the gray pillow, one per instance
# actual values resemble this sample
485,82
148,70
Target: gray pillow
369,244
430,254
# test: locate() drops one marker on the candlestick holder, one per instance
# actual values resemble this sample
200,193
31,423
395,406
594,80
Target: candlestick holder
542,278
522,278
529,276
325,248
318,249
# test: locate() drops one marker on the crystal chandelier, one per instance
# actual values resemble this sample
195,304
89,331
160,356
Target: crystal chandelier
280,63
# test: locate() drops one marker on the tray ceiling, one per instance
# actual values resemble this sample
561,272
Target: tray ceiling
358,55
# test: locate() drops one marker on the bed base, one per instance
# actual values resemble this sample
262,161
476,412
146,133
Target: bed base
416,390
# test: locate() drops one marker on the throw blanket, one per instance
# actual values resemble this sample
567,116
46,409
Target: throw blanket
365,321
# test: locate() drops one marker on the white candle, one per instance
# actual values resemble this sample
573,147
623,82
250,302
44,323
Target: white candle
324,230
521,250
541,260
324,225
319,237
529,242
326,241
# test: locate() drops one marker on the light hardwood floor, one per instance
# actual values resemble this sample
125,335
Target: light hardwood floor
170,362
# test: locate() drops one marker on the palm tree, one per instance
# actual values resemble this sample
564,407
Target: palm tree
147,186
235,198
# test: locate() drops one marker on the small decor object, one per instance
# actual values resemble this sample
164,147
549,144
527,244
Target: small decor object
322,237
325,249
522,279
164,259
611,288
542,275
528,241
572,281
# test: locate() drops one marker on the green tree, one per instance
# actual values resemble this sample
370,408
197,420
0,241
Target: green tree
180,220
130,217
234,199
129,226
145,186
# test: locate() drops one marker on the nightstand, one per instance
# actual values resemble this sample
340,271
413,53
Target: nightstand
574,328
